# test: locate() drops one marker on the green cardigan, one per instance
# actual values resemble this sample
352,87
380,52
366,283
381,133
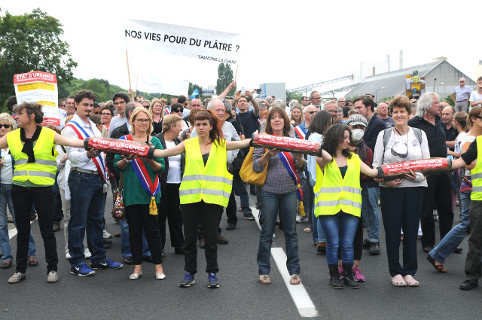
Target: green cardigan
133,191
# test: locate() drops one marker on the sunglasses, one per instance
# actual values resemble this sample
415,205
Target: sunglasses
6,126
312,112
178,110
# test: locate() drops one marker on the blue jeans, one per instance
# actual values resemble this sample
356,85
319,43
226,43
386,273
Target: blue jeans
340,231
455,236
125,245
86,213
6,199
239,187
271,204
370,214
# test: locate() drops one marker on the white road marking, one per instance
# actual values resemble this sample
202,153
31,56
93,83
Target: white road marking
298,293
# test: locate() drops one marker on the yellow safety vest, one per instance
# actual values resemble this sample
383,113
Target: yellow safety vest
41,172
334,193
477,174
211,183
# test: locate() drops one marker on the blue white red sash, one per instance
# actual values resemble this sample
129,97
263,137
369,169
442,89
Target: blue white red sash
99,160
151,187
167,111
300,131
289,162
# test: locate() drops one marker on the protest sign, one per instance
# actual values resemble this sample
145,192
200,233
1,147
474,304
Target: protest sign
40,87
201,44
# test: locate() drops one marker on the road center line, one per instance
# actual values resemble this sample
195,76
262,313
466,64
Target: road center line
298,293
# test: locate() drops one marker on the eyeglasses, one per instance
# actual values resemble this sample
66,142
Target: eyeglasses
6,126
143,120
312,112
62,105
479,117
97,112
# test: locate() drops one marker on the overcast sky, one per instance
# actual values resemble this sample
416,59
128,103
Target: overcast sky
296,42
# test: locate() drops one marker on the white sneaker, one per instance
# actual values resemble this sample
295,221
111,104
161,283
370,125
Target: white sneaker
106,235
87,253
52,276
67,255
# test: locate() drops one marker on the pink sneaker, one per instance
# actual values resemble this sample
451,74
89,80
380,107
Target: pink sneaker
340,271
357,275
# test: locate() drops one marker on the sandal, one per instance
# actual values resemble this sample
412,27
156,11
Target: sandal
411,282
295,279
439,267
307,229
264,279
398,281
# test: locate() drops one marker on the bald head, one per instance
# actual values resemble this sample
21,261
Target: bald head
447,115
218,107
196,104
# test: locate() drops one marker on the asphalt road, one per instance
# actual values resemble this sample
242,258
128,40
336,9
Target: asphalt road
111,295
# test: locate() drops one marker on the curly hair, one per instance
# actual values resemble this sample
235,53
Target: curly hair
282,113
333,138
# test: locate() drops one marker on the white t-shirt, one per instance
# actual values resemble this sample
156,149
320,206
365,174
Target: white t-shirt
174,173
463,140
474,97
7,170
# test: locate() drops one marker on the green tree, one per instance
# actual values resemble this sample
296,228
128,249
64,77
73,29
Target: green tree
31,42
290,95
225,77
192,87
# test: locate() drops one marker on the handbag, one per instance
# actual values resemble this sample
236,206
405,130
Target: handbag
248,175
118,210
466,186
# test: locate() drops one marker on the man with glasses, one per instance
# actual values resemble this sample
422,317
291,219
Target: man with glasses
120,102
460,96
439,192
315,99
365,106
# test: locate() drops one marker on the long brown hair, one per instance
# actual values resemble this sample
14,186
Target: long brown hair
216,133
282,113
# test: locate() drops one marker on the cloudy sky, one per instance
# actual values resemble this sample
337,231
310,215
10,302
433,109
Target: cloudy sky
296,42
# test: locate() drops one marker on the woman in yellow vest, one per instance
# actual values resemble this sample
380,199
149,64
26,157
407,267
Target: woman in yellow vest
204,191
338,201
32,147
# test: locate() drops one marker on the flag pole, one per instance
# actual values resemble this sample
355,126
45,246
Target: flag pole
128,71
236,73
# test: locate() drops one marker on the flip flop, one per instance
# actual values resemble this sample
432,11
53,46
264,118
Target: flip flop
295,279
398,281
411,282
439,267
264,279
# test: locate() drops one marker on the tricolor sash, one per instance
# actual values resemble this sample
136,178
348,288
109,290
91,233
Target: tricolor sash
99,160
301,132
289,163
151,187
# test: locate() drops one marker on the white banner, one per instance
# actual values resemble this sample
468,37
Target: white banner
201,44
40,87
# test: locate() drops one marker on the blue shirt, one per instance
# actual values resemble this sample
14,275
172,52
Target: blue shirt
462,93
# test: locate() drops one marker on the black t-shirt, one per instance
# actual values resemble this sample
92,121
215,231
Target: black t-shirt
249,122
157,127
450,134
471,153
236,125
435,135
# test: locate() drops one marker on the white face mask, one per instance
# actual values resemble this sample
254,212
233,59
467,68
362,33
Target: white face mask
357,134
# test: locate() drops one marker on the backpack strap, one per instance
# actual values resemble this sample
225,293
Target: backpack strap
418,134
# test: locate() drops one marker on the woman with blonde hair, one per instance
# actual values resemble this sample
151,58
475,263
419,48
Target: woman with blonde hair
142,193
157,111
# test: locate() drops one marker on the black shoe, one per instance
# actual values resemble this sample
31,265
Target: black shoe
178,250
33,215
32,262
321,250
348,279
366,244
374,248
231,226
202,243
427,249
335,281
56,226
5,264
129,260
147,259
458,250
469,285
249,216
221,240
108,241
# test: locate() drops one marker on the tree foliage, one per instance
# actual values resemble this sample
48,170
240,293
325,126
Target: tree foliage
31,42
192,87
225,77
290,95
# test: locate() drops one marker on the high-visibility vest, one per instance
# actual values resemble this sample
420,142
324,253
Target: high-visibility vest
42,171
477,174
211,183
334,193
